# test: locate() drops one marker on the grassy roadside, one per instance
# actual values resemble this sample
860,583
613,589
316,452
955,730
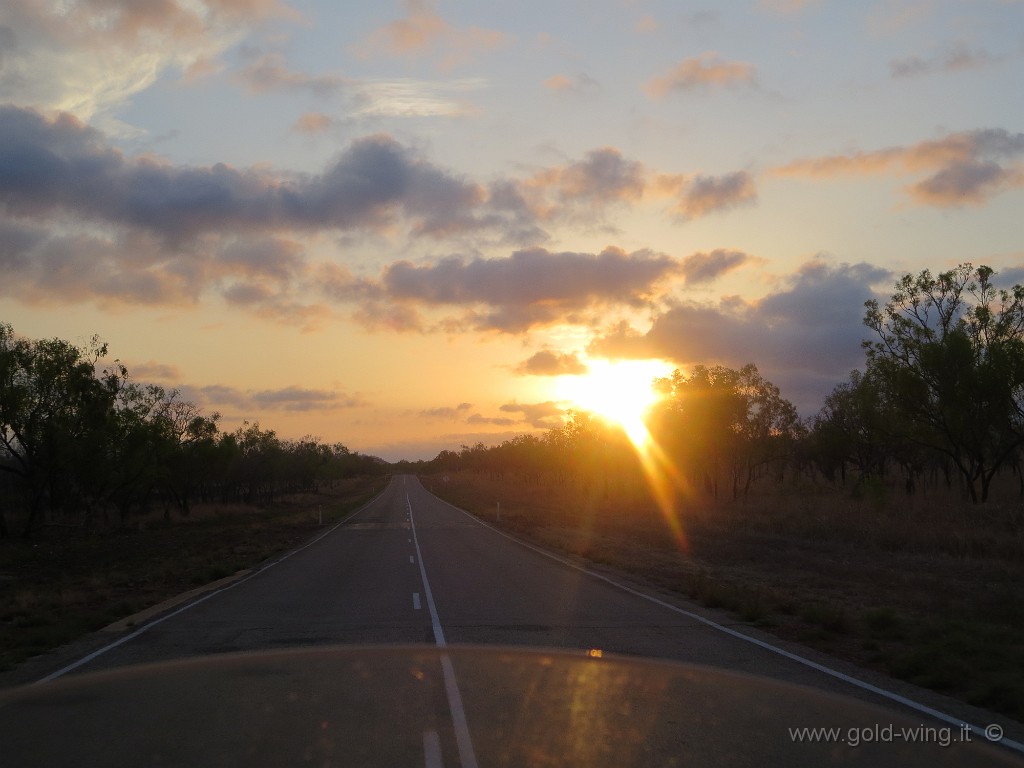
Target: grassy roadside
67,583
925,589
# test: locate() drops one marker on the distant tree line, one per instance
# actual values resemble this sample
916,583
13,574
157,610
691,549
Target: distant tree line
940,401
79,444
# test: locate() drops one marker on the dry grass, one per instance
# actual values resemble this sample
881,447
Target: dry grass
926,588
69,582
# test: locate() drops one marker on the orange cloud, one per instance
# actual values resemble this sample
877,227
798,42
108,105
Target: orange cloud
549,362
967,167
312,122
424,32
706,70
646,23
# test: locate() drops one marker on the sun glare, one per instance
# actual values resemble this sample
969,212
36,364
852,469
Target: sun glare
619,392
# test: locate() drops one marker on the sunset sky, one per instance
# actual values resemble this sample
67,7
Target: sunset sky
396,224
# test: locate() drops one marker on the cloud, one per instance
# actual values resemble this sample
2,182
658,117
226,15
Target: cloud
291,398
91,56
48,266
270,72
708,194
424,33
969,182
551,363
546,415
708,70
601,178
646,24
805,337
957,59
409,97
51,265
538,415
152,370
83,221
530,287
705,267
965,168
446,412
63,165
501,421
60,168
580,84
304,399
586,188
312,123
399,97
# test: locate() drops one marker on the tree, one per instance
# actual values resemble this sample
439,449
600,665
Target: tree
852,428
720,420
53,411
949,358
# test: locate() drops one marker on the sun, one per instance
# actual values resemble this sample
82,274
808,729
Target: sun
620,392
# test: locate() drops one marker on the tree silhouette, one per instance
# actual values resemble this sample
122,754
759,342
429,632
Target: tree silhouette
949,358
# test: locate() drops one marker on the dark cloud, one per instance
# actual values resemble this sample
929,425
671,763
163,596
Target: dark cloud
292,398
956,59
271,258
532,276
531,286
708,194
970,182
303,399
157,233
40,265
801,336
551,363
706,267
63,165
61,168
581,191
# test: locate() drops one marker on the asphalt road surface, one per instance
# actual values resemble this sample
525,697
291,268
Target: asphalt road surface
409,568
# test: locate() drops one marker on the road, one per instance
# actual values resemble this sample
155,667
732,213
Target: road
409,568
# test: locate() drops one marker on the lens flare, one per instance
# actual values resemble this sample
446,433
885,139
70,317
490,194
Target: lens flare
619,392
622,393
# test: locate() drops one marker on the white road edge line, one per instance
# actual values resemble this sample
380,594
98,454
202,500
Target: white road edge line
467,755
202,599
923,708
